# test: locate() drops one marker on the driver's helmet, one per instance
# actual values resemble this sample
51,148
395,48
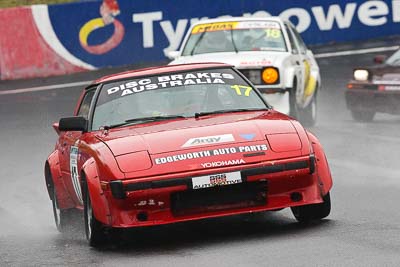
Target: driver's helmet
216,40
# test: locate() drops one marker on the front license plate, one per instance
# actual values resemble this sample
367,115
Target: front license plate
216,180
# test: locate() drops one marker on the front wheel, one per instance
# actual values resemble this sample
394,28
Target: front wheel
363,115
313,212
308,115
94,229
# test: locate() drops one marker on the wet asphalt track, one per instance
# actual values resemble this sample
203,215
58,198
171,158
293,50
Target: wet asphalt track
362,230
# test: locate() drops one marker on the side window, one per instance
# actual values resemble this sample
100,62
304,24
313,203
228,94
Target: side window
302,45
291,40
85,105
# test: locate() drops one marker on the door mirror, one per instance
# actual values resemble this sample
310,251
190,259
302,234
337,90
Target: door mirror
73,124
379,59
172,54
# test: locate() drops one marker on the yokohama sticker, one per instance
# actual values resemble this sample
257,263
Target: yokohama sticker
216,180
222,163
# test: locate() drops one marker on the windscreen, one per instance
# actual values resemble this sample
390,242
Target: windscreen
181,94
394,59
234,37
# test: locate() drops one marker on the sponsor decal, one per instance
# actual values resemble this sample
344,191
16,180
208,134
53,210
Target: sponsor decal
248,137
167,81
206,140
209,153
222,163
234,25
216,180
109,9
73,161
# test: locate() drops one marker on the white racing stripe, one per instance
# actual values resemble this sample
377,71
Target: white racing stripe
322,55
357,52
40,14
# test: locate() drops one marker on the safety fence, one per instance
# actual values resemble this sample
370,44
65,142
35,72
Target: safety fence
45,40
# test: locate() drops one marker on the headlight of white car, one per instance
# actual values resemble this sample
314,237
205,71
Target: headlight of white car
361,75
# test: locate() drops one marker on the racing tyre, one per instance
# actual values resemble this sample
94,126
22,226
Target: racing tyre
308,115
363,115
307,213
61,217
294,109
94,230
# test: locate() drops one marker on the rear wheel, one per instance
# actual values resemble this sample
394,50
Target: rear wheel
313,212
94,229
294,109
61,217
363,115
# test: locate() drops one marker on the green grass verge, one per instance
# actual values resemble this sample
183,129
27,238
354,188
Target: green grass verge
14,3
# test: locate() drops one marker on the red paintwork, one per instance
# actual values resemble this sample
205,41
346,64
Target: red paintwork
128,154
24,52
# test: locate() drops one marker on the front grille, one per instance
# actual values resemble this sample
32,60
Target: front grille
236,196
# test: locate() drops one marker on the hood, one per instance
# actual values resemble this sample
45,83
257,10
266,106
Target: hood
191,144
191,133
239,60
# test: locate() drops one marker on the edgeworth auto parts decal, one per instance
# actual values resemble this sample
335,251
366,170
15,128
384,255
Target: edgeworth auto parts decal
209,153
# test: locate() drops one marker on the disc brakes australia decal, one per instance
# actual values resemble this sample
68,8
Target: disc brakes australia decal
125,88
209,153
206,140
73,156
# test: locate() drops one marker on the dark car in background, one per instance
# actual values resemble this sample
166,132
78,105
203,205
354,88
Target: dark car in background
375,89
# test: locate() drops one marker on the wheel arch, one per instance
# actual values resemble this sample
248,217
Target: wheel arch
289,76
322,167
53,178
90,179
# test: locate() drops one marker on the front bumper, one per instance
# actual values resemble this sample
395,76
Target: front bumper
373,100
163,200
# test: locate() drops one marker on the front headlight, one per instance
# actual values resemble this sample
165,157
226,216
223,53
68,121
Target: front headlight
270,75
361,75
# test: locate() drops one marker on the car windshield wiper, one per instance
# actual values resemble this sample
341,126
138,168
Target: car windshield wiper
199,114
144,119
233,42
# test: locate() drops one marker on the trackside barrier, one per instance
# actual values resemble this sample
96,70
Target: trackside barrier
43,40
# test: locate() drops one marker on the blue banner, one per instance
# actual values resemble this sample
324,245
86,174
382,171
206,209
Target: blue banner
122,32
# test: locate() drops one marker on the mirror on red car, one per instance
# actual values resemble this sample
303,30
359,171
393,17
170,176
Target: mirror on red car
73,124
379,59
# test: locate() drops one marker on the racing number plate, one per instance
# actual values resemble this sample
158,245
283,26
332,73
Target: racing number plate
216,180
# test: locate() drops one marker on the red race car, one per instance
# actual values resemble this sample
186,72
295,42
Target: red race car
375,89
178,143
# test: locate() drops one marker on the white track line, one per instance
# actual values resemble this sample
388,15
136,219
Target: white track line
322,55
357,52
43,88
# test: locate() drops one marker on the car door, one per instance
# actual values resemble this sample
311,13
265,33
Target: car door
296,61
70,154
307,63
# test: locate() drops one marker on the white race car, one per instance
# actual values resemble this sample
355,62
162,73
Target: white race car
268,51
